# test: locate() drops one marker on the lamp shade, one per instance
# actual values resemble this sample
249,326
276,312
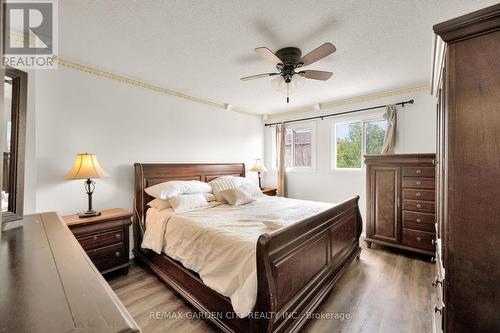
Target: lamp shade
258,166
86,167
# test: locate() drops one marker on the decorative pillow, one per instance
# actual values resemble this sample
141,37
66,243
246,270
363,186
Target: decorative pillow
251,189
221,184
173,188
159,204
237,197
187,202
209,197
276,224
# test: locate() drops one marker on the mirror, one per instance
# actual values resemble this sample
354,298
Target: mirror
14,134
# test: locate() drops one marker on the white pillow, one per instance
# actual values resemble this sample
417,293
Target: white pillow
209,197
159,204
237,197
221,184
276,224
170,189
187,202
251,189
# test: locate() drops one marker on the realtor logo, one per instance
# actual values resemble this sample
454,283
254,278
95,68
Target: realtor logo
30,34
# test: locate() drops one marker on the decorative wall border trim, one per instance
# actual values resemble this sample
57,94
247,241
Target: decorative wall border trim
353,100
145,85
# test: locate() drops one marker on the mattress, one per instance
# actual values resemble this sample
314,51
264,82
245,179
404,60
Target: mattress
219,243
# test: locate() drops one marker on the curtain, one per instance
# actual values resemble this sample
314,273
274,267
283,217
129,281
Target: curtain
280,154
391,116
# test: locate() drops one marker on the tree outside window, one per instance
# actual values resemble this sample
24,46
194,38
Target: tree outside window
353,140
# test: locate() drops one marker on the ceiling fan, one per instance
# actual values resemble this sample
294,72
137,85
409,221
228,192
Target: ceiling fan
287,61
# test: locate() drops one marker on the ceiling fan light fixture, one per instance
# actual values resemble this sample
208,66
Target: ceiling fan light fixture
278,83
298,81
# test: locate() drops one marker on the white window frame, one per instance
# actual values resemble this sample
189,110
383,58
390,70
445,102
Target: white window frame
375,116
294,127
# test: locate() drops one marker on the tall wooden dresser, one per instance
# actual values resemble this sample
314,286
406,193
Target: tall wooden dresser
401,201
466,82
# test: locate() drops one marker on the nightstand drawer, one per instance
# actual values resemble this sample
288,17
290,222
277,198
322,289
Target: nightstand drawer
101,239
108,256
105,238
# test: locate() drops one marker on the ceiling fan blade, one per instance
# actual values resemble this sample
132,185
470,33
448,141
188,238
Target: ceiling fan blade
317,54
316,75
258,76
265,53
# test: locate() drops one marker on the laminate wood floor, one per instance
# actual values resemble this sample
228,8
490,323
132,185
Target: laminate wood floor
386,290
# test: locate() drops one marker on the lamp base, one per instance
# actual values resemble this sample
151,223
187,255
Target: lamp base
89,213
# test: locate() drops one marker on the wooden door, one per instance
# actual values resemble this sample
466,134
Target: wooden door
384,201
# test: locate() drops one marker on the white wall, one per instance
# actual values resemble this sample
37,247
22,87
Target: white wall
122,124
416,134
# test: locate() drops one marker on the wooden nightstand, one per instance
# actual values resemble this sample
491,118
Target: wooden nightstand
269,191
105,238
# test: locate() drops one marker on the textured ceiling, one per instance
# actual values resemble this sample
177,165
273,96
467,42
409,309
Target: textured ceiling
201,48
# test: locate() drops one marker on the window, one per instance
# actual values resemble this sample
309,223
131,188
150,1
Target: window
299,148
355,139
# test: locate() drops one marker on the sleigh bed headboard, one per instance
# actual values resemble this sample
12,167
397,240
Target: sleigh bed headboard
150,174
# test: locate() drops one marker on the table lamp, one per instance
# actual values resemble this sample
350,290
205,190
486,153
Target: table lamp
258,167
86,167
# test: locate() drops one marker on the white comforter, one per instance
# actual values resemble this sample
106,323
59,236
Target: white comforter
219,243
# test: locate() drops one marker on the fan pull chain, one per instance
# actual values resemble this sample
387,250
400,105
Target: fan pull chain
288,92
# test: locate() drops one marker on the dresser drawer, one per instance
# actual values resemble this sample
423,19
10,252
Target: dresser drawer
419,239
419,206
426,171
419,221
108,256
417,194
101,239
419,183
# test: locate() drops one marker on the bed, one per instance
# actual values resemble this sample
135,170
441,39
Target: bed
296,265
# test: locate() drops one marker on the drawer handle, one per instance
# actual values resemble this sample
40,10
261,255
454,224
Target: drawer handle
419,206
94,238
436,282
117,254
436,309
117,236
418,182
419,239
418,194
418,220
418,171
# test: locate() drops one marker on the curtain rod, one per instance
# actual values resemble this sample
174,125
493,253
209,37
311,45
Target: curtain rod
411,101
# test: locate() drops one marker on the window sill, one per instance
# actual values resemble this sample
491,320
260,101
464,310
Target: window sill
348,170
300,170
